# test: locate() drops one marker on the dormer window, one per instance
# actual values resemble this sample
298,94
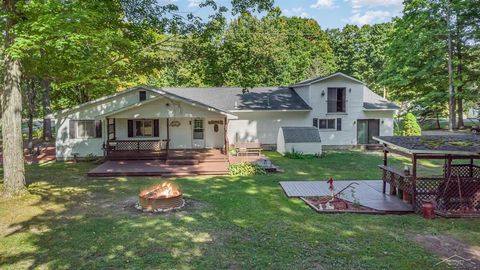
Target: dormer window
336,100
142,95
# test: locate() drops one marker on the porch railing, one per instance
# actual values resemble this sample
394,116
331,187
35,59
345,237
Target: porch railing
132,149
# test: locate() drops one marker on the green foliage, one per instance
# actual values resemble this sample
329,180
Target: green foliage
410,126
360,51
246,169
300,155
416,58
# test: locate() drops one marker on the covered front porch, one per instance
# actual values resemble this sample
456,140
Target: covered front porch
150,129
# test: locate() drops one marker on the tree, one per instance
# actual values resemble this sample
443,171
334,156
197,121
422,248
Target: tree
12,141
360,51
78,44
410,126
417,66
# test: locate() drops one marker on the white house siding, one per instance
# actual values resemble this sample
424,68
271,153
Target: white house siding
158,109
263,126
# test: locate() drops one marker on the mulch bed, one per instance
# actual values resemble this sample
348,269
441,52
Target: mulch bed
325,204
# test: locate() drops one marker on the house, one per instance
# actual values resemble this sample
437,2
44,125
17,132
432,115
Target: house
342,108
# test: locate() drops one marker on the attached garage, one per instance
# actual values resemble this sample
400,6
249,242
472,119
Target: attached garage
299,139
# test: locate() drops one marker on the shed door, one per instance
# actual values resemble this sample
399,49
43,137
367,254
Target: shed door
366,129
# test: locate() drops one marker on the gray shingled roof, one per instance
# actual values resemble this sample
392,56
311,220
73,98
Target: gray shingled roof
230,98
435,144
301,134
372,101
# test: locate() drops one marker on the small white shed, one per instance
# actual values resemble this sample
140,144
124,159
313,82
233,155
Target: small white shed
299,139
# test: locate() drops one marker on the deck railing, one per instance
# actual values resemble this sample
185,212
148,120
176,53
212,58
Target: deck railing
457,195
132,149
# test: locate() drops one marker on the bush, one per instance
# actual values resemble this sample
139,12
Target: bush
410,126
300,155
246,169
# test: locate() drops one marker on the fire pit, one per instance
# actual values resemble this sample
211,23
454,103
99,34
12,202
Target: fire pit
160,198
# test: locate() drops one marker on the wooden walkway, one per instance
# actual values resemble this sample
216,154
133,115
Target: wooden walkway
178,163
367,193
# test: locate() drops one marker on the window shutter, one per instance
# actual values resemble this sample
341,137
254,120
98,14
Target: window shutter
339,124
98,128
130,128
156,128
315,122
72,129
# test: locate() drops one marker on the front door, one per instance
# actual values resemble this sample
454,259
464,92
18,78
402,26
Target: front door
198,133
366,129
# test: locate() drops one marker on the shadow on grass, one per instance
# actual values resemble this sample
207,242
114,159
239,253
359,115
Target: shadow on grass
248,223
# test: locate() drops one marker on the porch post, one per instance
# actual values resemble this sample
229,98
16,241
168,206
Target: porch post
385,163
168,135
225,129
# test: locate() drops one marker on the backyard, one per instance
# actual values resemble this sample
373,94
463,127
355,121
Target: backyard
70,221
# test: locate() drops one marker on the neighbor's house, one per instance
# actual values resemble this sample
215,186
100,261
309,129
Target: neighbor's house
343,109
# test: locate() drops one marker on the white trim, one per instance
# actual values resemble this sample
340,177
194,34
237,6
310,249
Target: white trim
326,78
126,91
284,110
376,110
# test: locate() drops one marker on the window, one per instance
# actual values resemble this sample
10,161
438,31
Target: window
83,129
325,123
198,129
336,100
142,95
315,122
143,128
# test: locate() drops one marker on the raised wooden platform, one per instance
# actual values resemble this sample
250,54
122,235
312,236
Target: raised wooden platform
367,193
177,163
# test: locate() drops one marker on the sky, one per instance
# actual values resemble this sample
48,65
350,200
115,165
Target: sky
328,13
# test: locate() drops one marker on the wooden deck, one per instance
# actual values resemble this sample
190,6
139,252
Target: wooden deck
177,163
368,193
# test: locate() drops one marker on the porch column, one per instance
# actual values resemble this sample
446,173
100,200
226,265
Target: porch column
168,135
385,163
225,129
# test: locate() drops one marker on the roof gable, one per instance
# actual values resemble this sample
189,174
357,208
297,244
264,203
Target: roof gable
326,77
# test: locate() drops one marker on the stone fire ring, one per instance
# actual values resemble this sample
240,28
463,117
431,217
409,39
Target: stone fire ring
156,205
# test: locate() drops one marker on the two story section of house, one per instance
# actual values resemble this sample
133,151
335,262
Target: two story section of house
343,109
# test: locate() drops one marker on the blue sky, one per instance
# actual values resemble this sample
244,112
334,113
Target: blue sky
328,13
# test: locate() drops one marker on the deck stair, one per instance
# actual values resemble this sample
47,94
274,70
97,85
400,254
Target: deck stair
178,163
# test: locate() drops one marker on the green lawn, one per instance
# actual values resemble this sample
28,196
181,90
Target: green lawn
73,222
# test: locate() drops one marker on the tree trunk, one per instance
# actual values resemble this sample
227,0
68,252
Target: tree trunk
438,121
460,122
47,109
31,97
11,98
451,92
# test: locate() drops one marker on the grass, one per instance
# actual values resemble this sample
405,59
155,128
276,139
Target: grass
70,221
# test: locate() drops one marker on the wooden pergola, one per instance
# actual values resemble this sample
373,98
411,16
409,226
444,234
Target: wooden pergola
455,193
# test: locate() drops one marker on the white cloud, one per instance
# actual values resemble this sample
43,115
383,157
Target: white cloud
194,3
299,12
371,3
323,4
369,17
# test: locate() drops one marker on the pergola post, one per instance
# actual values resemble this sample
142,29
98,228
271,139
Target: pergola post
414,180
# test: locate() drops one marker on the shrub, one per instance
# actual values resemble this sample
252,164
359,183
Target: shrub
246,169
300,155
410,126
